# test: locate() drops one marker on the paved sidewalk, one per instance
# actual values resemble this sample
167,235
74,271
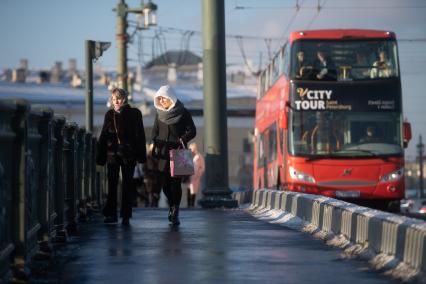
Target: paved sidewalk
210,246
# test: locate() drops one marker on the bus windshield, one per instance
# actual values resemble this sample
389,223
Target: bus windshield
344,60
344,134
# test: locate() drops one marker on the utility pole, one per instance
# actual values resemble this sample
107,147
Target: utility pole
89,85
94,50
421,148
121,37
216,193
147,12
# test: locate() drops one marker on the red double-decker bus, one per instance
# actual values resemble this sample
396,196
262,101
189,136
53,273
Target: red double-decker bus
329,118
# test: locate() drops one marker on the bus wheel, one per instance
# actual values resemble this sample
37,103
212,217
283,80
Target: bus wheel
394,206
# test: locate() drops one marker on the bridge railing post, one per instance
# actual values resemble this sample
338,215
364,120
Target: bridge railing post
60,178
98,177
40,145
8,184
24,214
33,178
86,169
71,162
80,164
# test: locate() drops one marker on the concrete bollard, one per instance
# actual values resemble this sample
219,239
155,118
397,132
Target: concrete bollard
383,233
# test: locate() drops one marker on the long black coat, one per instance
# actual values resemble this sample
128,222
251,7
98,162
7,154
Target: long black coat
131,133
166,137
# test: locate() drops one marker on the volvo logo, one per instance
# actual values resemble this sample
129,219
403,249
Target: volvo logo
347,172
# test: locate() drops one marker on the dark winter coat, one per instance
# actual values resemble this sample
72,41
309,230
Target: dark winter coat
166,137
131,134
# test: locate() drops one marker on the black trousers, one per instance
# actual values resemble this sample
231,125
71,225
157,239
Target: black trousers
127,170
172,188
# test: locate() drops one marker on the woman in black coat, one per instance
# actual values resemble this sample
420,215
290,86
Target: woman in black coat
121,144
173,126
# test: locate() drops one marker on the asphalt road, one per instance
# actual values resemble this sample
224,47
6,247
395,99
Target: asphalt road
210,246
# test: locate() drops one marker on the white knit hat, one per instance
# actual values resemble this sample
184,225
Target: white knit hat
166,92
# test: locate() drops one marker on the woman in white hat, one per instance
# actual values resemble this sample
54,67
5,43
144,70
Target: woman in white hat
173,125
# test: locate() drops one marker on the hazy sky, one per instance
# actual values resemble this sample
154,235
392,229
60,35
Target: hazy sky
45,31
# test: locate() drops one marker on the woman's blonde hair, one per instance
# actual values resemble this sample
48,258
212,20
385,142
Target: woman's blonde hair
119,93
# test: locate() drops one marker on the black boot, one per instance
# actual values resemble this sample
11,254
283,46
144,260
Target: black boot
125,222
192,200
188,197
175,216
170,213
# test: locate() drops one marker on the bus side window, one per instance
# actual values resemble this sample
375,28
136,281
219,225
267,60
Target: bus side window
286,61
267,78
275,70
260,151
261,87
272,143
281,61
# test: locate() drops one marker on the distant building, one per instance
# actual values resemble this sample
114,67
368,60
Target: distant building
56,75
174,66
19,75
6,75
186,60
23,64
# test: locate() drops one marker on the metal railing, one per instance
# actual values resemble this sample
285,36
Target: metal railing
48,182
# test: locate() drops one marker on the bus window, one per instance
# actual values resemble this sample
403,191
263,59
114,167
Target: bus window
286,61
267,79
343,134
260,151
272,143
344,60
270,76
281,61
274,69
262,90
281,135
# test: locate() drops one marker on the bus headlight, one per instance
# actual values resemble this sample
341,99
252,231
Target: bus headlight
295,174
393,176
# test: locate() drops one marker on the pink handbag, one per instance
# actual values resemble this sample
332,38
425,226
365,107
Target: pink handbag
181,163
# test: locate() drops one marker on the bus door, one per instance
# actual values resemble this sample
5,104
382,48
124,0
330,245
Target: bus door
261,162
282,164
267,158
272,155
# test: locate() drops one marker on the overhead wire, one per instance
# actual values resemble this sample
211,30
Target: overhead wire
243,54
159,40
298,6
319,8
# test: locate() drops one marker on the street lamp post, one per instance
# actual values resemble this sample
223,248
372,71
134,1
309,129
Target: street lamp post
94,50
148,12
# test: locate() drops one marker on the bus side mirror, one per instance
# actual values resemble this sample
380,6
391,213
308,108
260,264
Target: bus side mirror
407,133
